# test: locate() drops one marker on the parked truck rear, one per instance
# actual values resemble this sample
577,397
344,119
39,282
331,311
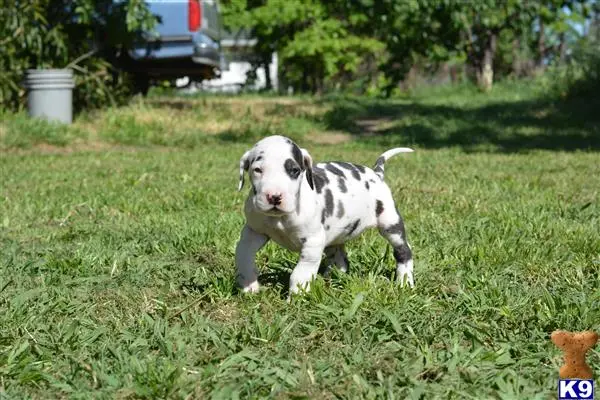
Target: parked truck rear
185,43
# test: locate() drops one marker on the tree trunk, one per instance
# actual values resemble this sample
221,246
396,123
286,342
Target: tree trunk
266,64
596,23
516,55
305,85
541,47
485,74
562,48
454,74
318,87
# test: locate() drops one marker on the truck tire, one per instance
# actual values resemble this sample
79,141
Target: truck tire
141,85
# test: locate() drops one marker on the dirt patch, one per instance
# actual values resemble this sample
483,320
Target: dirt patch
259,101
95,146
375,125
222,312
215,127
329,137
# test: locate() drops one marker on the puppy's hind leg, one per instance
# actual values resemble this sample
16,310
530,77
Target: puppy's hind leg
245,253
391,226
336,256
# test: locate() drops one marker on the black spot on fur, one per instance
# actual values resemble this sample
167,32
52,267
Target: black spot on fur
352,227
332,168
402,253
309,178
246,164
378,208
254,189
320,178
328,203
372,180
355,174
292,169
367,185
303,240
297,155
397,228
350,167
380,161
340,208
342,185
326,227
360,168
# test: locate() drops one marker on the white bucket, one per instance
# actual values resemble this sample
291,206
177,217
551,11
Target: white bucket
50,94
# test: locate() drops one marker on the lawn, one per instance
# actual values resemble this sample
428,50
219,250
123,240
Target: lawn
117,240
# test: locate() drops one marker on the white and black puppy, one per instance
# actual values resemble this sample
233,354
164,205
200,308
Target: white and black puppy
313,209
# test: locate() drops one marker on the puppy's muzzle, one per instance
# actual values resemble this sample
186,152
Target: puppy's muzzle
274,199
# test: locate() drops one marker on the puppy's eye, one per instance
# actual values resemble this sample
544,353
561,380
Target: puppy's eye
296,171
258,170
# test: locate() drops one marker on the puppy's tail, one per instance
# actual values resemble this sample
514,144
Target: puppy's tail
379,164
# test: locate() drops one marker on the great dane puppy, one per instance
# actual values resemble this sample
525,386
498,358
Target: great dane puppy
313,209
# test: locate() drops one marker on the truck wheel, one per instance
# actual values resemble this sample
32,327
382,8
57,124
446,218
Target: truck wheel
141,85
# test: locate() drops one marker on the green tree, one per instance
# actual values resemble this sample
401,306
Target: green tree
439,29
323,43
315,40
80,34
412,31
481,26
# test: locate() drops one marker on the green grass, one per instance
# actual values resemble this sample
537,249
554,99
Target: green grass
19,131
117,253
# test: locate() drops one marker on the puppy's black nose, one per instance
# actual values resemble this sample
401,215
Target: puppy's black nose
274,199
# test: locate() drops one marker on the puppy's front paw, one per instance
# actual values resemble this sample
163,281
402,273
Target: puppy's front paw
404,274
252,287
406,279
296,291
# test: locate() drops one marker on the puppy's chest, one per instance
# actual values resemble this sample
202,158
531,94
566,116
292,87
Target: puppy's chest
283,234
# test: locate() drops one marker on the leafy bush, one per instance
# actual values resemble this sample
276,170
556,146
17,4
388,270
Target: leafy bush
587,62
85,35
579,77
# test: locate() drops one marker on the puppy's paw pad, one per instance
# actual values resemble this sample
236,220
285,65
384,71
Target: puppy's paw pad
406,279
253,287
404,274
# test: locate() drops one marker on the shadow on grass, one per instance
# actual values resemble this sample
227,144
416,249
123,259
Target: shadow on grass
509,126
278,278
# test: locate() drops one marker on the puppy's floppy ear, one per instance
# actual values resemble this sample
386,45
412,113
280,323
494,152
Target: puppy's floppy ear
244,165
308,163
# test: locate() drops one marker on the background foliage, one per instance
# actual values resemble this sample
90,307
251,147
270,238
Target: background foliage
332,45
81,34
373,47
